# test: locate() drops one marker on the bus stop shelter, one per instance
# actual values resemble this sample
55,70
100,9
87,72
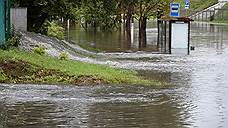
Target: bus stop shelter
174,34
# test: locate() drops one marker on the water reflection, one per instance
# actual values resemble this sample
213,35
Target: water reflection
29,114
136,115
213,36
114,41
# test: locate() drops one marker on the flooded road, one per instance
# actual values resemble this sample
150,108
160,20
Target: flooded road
196,97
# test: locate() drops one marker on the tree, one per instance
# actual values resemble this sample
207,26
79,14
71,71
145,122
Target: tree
41,10
99,13
146,9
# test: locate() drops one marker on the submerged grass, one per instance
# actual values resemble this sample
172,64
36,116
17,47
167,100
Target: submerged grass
68,68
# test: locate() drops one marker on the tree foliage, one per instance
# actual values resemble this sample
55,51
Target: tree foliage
106,14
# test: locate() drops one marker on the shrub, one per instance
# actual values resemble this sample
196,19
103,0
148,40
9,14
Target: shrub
39,50
12,41
2,76
63,56
55,30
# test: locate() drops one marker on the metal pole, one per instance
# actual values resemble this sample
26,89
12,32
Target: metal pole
8,20
2,21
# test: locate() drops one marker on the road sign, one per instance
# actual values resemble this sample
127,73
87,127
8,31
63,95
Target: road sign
174,9
187,4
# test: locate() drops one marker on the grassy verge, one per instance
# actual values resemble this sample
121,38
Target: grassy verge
18,66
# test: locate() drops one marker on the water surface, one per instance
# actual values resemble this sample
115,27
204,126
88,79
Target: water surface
196,97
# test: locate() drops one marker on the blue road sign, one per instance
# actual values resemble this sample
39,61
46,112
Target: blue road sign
187,4
174,9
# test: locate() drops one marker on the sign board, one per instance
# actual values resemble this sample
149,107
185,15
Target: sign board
179,36
187,4
174,9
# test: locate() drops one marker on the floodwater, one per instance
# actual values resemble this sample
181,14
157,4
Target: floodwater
114,41
195,97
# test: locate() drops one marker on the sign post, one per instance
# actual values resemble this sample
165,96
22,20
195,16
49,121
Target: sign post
187,4
174,9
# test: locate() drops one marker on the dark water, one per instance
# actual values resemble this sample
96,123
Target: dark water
114,41
196,97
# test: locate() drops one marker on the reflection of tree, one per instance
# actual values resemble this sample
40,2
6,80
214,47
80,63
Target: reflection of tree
2,116
28,114
161,113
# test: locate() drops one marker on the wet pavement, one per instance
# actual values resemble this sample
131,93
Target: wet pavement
196,96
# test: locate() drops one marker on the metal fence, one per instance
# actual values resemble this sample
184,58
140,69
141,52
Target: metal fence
211,15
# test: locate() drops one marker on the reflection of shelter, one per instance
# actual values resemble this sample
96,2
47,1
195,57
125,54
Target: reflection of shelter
4,20
174,35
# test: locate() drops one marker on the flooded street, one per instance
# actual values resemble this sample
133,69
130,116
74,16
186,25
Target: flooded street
195,97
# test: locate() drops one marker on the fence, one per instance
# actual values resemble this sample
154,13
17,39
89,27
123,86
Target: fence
212,15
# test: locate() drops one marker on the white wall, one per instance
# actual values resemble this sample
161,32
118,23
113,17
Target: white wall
19,18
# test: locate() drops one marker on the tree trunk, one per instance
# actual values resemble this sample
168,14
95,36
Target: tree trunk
142,32
128,34
128,19
140,36
128,25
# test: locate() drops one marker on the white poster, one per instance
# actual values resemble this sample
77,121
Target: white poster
179,38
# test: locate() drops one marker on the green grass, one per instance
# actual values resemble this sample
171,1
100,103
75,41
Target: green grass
2,76
75,68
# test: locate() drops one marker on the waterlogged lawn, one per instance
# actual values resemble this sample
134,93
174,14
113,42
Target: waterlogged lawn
67,69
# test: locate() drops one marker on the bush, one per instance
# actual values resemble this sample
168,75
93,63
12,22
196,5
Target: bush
12,41
39,50
2,76
63,56
55,30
